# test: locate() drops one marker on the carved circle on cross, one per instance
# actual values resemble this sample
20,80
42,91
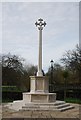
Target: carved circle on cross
40,24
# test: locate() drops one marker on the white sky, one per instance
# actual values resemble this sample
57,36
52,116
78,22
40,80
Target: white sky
20,35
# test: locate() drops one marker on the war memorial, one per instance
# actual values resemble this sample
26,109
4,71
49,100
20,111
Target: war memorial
39,97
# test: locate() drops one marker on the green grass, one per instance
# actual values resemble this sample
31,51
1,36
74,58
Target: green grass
73,100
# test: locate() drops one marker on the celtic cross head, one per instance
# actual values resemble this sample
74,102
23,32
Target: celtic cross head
40,24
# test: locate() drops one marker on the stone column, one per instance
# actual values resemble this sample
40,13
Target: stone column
39,73
40,25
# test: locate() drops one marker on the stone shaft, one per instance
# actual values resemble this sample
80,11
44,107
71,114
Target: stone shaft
39,73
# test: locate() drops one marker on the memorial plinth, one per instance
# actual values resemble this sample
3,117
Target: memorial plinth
39,91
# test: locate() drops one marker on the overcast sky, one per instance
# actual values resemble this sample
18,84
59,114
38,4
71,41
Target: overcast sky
20,35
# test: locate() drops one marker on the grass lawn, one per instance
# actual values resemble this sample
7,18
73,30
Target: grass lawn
73,100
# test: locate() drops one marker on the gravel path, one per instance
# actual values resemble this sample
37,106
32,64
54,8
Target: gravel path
8,113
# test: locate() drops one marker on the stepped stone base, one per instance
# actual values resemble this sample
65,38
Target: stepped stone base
54,106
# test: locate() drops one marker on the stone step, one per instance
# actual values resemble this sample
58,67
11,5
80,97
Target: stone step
59,103
47,109
62,105
45,104
30,106
66,108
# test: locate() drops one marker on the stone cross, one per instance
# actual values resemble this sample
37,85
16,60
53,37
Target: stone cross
40,25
